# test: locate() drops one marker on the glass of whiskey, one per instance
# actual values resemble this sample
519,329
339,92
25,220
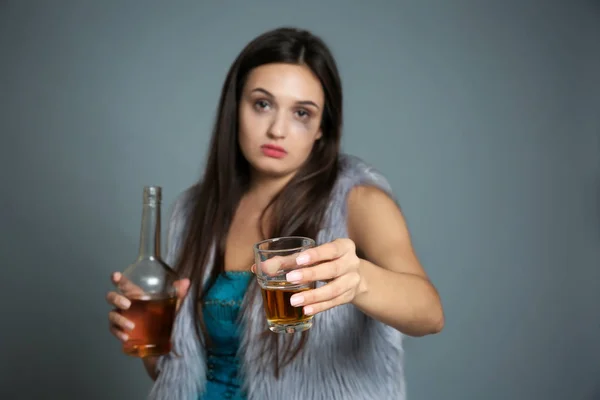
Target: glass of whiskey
276,291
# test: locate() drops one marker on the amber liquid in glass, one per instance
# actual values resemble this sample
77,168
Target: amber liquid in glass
277,305
153,319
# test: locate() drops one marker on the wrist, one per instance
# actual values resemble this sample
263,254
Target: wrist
363,285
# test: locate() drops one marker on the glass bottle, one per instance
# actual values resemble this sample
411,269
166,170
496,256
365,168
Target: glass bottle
148,284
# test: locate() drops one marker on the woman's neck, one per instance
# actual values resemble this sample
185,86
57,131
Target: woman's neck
262,188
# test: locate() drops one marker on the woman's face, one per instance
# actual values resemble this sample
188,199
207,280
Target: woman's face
280,118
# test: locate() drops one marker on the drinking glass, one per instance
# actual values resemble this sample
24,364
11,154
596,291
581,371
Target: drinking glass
281,255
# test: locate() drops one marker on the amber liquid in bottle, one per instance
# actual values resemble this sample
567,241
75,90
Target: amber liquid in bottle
153,321
148,284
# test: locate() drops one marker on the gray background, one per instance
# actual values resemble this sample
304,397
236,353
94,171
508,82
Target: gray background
484,115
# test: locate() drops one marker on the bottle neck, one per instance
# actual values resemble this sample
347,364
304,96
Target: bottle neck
150,232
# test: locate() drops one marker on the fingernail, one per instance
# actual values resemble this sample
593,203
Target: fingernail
296,300
302,259
294,276
124,337
308,310
130,325
124,303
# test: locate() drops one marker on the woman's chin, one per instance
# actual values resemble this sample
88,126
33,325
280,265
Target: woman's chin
269,170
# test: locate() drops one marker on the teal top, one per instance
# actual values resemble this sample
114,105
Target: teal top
221,308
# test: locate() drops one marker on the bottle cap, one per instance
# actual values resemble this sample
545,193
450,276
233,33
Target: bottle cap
152,194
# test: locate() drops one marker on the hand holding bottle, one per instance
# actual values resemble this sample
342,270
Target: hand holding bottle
148,291
120,326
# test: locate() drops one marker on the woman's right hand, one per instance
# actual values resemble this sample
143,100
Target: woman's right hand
119,325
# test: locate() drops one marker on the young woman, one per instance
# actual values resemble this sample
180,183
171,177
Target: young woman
275,169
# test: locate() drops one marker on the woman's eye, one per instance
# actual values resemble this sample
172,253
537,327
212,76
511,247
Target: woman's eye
303,114
261,104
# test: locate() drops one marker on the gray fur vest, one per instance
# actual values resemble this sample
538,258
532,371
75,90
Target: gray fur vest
348,356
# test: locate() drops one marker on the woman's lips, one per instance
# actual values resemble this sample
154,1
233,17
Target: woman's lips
273,151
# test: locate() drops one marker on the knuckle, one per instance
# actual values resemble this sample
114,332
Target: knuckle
355,278
118,333
309,274
351,245
336,268
122,302
344,245
126,324
339,247
117,301
309,297
334,291
348,296
118,320
113,317
316,253
327,305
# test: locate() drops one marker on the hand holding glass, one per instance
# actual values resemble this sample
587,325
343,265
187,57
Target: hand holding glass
274,258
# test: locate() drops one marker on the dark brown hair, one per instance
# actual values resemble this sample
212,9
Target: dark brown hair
300,207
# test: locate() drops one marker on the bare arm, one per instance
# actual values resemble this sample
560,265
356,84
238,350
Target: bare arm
394,286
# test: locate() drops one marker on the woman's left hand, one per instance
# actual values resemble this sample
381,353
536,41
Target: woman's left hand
335,262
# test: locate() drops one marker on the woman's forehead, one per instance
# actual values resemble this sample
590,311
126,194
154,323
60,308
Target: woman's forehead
286,81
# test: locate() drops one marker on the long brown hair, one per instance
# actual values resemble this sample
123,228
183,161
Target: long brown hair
300,207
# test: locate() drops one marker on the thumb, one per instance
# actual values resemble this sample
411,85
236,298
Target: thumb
182,287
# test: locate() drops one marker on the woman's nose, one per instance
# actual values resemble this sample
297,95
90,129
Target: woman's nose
278,130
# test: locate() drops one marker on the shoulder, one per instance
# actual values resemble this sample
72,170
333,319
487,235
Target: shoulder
180,211
182,205
359,178
368,191
185,199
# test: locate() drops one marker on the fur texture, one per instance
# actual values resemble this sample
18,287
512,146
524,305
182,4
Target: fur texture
348,356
